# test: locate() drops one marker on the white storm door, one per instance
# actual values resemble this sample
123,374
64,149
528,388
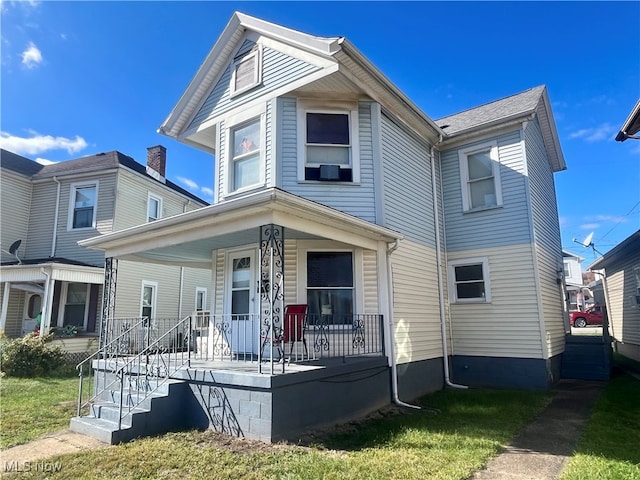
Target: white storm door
242,302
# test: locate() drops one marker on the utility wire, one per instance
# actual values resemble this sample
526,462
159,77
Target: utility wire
620,221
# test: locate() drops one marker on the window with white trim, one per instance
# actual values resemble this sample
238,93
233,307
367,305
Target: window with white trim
469,280
154,207
328,142
82,206
148,296
480,177
201,299
246,71
330,287
245,155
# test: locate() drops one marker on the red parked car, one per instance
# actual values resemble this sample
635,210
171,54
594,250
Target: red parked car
591,316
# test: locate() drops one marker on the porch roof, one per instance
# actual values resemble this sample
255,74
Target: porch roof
35,272
189,238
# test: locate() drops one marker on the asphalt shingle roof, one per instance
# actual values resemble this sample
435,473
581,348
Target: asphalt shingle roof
499,110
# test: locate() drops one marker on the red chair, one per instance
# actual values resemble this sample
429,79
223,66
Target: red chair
294,325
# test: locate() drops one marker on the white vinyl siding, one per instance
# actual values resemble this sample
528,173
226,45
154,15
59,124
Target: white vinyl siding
132,275
416,313
134,191
509,326
15,312
15,202
357,199
624,314
546,232
42,213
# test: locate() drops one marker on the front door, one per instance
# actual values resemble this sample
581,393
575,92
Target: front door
242,302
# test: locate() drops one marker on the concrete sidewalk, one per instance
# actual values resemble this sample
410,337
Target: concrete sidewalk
542,449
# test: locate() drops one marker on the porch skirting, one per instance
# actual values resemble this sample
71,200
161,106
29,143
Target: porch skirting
284,407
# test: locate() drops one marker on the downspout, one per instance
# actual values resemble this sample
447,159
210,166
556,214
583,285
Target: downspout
443,323
392,339
55,221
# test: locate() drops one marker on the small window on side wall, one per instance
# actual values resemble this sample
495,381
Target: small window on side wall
82,206
154,208
246,71
469,281
480,177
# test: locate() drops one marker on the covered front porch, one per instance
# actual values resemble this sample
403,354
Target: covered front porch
300,301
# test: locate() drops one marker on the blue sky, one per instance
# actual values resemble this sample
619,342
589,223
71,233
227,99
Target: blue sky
80,78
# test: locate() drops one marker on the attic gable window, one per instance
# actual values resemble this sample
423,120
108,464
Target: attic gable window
480,177
246,71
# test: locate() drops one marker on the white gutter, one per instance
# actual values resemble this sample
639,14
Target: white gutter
392,339
443,323
55,219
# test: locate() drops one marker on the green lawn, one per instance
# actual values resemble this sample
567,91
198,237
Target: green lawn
469,430
610,444
31,407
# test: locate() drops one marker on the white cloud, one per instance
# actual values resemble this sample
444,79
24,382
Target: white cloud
589,226
610,218
187,182
207,191
32,56
44,161
595,134
40,143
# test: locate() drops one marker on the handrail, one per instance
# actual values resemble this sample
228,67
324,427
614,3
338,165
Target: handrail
104,349
153,349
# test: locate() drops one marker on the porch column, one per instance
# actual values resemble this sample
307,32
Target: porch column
47,304
5,305
108,296
271,280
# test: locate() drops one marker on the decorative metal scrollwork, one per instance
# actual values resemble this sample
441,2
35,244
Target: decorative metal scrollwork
271,283
358,341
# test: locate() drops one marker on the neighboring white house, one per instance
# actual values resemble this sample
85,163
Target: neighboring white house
47,209
619,281
579,296
334,190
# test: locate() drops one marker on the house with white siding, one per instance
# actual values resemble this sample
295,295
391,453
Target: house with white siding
405,240
48,280
619,273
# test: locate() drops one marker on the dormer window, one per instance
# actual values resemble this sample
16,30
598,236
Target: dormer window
246,71
329,141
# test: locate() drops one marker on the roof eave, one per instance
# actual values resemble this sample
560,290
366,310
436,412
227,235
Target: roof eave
631,125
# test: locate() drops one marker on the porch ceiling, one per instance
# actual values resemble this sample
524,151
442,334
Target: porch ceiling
189,238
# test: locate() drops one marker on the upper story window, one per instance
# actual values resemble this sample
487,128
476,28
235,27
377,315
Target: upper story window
154,207
82,206
329,143
480,177
246,71
469,280
245,166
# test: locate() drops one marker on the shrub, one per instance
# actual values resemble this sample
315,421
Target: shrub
30,356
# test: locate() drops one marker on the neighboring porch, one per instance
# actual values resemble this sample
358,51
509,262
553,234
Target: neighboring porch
56,295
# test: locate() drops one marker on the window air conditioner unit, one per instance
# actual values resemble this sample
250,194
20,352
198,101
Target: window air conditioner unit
329,172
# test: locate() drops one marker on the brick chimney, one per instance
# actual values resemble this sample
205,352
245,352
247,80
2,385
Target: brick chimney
157,159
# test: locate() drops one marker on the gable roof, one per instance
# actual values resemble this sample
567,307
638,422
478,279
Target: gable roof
337,49
534,101
91,163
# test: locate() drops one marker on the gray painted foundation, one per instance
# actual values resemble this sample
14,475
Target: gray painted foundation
416,379
497,372
284,407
